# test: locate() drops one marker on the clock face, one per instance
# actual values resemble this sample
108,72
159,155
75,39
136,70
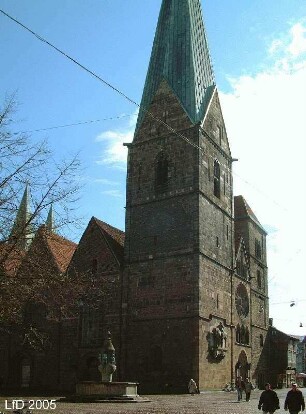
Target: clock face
242,300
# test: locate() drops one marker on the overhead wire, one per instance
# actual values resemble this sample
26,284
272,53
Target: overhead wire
108,84
73,124
290,302
118,91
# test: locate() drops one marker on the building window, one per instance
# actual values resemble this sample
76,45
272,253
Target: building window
241,269
261,340
166,116
247,336
220,134
242,338
238,267
161,171
259,279
217,179
238,334
242,335
258,250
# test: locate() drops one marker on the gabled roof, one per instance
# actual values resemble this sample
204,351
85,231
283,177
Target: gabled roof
61,249
10,258
285,335
113,237
180,55
243,211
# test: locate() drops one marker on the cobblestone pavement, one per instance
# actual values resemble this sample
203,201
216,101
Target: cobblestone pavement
205,403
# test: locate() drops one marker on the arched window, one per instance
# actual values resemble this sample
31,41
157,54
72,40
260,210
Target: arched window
238,334
247,336
161,171
217,179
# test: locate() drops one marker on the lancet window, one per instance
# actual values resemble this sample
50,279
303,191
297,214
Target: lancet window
217,179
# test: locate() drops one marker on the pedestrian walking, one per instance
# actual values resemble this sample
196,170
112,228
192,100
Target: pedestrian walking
192,387
268,401
248,386
239,387
294,401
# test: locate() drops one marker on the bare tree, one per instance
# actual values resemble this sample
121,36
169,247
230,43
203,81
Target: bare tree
23,162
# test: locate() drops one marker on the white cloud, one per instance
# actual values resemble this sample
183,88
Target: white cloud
114,152
266,124
297,46
113,193
105,181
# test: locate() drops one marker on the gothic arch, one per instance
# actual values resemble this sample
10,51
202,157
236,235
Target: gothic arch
242,366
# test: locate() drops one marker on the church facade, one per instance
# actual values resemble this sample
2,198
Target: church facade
190,293
195,257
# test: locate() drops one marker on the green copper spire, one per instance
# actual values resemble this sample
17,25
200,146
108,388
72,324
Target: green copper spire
180,55
50,220
22,229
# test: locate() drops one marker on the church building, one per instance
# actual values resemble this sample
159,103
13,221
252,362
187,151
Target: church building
189,286
195,272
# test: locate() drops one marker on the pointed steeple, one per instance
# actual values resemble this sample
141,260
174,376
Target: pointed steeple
22,229
50,220
180,55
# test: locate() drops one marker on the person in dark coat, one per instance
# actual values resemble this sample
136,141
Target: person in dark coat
239,387
294,400
248,386
268,401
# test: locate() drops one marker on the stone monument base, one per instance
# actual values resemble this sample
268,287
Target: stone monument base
92,391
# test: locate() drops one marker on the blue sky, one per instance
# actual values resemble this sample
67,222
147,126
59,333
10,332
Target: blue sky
258,49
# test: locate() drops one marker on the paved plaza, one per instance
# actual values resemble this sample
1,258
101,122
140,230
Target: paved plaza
205,403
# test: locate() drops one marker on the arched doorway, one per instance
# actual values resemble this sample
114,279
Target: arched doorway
242,367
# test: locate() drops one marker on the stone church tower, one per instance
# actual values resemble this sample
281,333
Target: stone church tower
183,301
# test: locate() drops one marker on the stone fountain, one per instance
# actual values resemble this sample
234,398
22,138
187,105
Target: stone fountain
106,390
